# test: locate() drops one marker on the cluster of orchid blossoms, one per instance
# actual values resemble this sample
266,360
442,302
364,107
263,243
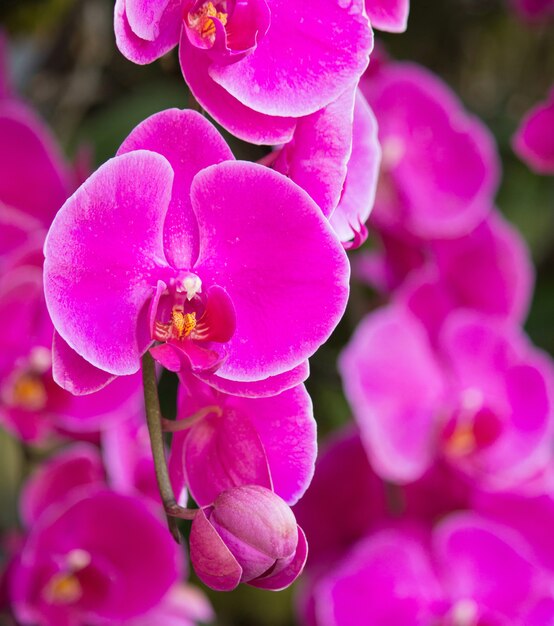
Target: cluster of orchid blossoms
173,255
231,274
443,492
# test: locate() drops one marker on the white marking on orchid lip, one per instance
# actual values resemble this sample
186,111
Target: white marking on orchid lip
472,399
40,359
78,559
393,150
464,612
191,285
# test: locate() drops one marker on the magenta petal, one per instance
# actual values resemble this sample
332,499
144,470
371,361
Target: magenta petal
481,349
541,613
167,356
190,143
146,30
441,164
357,505
287,430
21,298
288,574
19,232
103,253
144,17
521,513
323,34
34,177
386,268
394,385
184,605
388,576
284,271
218,321
74,468
496,370
490,269
529,438
127,455
154,304
222,452
73,373
316,157
109,527
212,560
202,358
231,113
388,15
270,386
249,22
485,562
533,140
358,193
429,299
104,408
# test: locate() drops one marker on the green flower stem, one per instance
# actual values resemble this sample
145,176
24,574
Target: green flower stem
154,421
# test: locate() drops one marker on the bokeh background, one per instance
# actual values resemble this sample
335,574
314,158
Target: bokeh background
63,60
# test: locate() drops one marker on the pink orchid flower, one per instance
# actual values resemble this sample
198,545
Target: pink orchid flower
32,405
489,270
467,571
229,265
482,401
533,141
255,65
439,168
79,564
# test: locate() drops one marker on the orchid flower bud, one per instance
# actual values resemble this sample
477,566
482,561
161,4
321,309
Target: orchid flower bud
249,535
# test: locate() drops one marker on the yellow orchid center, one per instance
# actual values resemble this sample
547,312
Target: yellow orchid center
202,21
462,441
63,588
29,392
183,323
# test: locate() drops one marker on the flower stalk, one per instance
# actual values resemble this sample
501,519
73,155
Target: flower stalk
154,421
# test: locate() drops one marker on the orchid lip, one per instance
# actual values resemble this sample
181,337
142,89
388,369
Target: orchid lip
191,319
202,20
64,586
226,29
180,310
26,391
473,429
25,388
